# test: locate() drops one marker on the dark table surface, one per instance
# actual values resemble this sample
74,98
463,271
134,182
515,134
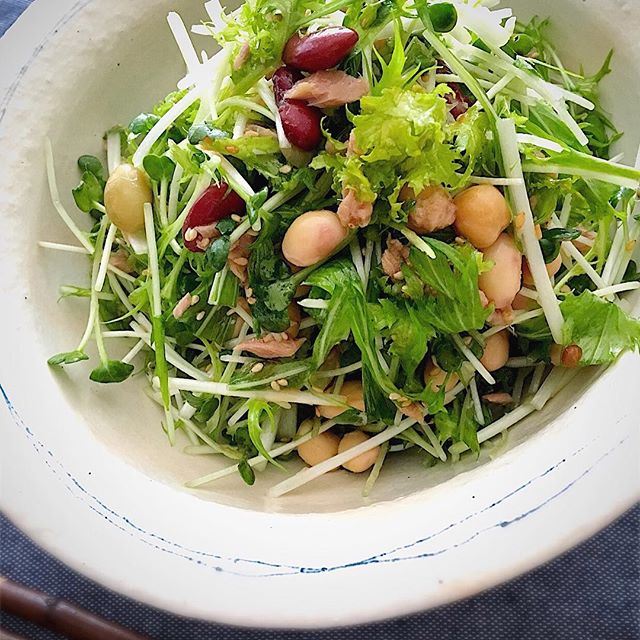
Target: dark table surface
591,593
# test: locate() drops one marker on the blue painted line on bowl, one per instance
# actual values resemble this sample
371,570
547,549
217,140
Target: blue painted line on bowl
11,91
129,527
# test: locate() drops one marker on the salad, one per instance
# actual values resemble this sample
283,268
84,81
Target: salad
359,229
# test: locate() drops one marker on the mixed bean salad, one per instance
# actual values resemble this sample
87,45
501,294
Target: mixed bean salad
361,228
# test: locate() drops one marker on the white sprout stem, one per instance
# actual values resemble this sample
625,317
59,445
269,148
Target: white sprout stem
358,263
312,303
435,443
243,103
284,395
566,211
519,319
174,193
308,322
240,126
519,385
492,430
137,348
475,362
106,256
163,124
533,252
368,255
417,242
307,475
183,41
114,150
496,182
499,86
477,405
536,379
162,201
154,270
375,471
280,198
617,288
57,203
252,462
547,168
610,267
570,250
557,380
238,359
237,416
523,362
542,143
239,311
332,373
67,248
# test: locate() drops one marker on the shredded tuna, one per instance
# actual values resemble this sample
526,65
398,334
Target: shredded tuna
434,211
255,130
239,258
499,398
182,306
272,348
395,255
352,212
326,89
352,146
120,260
413,410
242,57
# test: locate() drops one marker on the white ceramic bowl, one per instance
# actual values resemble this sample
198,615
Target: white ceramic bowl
88,474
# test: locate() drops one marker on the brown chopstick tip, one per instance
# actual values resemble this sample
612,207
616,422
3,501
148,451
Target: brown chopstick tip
58,615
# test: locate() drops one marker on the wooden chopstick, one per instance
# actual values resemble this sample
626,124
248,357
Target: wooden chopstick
58,615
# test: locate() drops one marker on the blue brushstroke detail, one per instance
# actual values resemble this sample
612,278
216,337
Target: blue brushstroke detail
129,527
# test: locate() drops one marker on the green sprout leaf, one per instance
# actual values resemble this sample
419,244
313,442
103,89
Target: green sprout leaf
112,371
200,132
71,357
143,123
218,252
444,17
89,193
246,472
159,167
91,164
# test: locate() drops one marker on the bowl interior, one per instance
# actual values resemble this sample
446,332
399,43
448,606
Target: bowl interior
109,76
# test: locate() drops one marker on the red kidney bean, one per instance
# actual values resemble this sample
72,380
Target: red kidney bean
216,203
301,124
283,79
458,102
320,50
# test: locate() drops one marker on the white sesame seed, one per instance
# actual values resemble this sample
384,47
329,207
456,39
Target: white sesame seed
275,386
235,217
257,368
285,168
284,335
190,234
251,300
248,292
200,316
195,300
283,382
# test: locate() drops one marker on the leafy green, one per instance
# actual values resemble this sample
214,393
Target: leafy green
454,304
256,409
601,329
405,327
111,371
458,424
246,472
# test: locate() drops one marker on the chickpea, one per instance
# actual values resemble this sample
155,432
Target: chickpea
502,282
352,391
312,237
365,460
434,377
496,351
126,193
318,449
482,214
552,269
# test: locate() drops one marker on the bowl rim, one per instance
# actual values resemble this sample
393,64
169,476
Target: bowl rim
21,36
